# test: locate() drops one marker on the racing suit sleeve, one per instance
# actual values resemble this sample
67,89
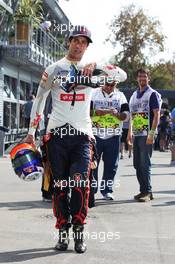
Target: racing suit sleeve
39,102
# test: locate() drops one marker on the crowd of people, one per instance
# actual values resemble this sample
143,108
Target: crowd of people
165,130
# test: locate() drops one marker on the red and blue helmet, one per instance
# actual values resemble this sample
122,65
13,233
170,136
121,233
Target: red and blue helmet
26,162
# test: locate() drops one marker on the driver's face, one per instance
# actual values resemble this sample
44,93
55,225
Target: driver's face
77,46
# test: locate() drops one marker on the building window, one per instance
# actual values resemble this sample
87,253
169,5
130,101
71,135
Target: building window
25,90
10,115
21,116
6,116
6,86
13,117
14,88
10,87
35,88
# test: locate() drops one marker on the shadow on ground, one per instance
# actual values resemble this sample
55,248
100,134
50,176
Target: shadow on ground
153,174
28,254
166,192
160,165
25,205
170,203
166,203
99,202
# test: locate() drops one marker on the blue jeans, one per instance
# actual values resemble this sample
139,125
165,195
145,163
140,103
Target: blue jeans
108,149
142,163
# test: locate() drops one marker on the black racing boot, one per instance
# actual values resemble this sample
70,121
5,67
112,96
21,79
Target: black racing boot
80,246
63,240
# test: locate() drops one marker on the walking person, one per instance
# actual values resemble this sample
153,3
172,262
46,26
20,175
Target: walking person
163,128
172,139
70,137
124,145
47,180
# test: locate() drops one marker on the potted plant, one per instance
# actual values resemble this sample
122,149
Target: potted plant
27,11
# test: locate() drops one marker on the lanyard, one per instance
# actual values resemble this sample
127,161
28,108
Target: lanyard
73,99
74,94
110,96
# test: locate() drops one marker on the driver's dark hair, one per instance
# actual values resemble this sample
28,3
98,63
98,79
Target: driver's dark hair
143,70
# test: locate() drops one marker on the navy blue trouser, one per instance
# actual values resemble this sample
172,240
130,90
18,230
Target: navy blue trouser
108,149
142,163
70,158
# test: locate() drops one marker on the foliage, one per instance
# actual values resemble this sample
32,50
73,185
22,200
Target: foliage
136,35
163,75
29,9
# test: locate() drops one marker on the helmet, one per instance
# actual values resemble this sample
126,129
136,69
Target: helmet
26,162
114,72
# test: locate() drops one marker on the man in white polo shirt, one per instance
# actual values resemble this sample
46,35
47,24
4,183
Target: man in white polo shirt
109,108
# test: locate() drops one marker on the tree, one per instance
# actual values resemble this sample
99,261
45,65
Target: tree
136,34
163,75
